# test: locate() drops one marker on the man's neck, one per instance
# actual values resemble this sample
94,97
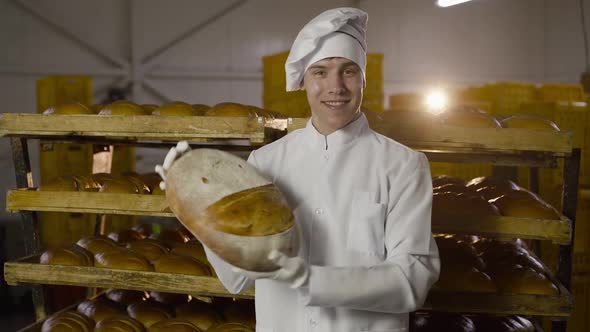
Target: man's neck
328,131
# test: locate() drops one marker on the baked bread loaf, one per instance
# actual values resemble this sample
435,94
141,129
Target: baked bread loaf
148,313
122,108
170,237
231,327
503,324
529,122
231,110
125,236
174,325
119,324
439,322
62,183
193,249
69,321
123,259
149,108
172,299
151,180
201,109
524,204
176,108
149,248
240,311
172,263
97,244
200,314
448,206
70,108
523,280
469,117
99,309
73,255
440,180
119,185
125,296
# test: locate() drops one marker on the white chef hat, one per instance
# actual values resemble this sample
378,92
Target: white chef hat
336,32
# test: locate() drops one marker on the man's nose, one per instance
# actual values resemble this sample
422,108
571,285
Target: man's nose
336,84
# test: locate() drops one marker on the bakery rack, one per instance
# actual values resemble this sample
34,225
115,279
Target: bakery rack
502,147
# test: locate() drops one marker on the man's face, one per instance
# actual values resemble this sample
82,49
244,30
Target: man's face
334,88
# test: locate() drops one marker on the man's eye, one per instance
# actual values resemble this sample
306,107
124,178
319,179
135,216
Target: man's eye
350,72
319,73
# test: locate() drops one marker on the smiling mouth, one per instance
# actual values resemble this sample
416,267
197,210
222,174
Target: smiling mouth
336,103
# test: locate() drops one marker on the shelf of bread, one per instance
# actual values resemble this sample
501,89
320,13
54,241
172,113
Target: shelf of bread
87,202
558,231
138,127
467,131
29,270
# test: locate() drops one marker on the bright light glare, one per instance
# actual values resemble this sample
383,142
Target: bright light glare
436,101
447,3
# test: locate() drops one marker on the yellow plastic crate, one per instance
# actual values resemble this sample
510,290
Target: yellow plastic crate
292,104
507,97
561,92
54,90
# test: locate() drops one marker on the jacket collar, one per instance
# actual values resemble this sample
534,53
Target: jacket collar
338,138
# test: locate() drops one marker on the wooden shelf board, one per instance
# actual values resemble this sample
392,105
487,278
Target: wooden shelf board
27,271
446,138
558,231
137,127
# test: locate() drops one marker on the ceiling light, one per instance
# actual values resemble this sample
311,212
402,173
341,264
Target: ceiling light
447,3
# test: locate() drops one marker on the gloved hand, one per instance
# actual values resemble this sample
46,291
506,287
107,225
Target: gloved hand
175,152
293,271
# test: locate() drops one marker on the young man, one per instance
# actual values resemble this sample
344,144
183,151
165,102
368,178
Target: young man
361,200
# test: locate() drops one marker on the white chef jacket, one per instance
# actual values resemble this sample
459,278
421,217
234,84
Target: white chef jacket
363,204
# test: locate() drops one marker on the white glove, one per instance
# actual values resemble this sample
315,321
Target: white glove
293,271
175,152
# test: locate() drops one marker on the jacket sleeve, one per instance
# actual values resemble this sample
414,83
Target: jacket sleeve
233,282
401,282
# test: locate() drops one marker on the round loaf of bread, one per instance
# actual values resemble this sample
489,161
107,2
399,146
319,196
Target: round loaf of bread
125,236
448,206
524,204
122,259
230,110
69,321
125,296
231,327
137,180
148,313
149,248
523,280
201,109
122,108
453,188
175,325
97,244
193,249
62,183
99,309
149,108
73,255
70,108
151,180
240,311
439,322
440,180
120,186
469,117
201,314
170,237
172,299
176,108
529,122
172,263
464,279
119,324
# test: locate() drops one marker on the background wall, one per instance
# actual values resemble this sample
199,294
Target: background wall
218,57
